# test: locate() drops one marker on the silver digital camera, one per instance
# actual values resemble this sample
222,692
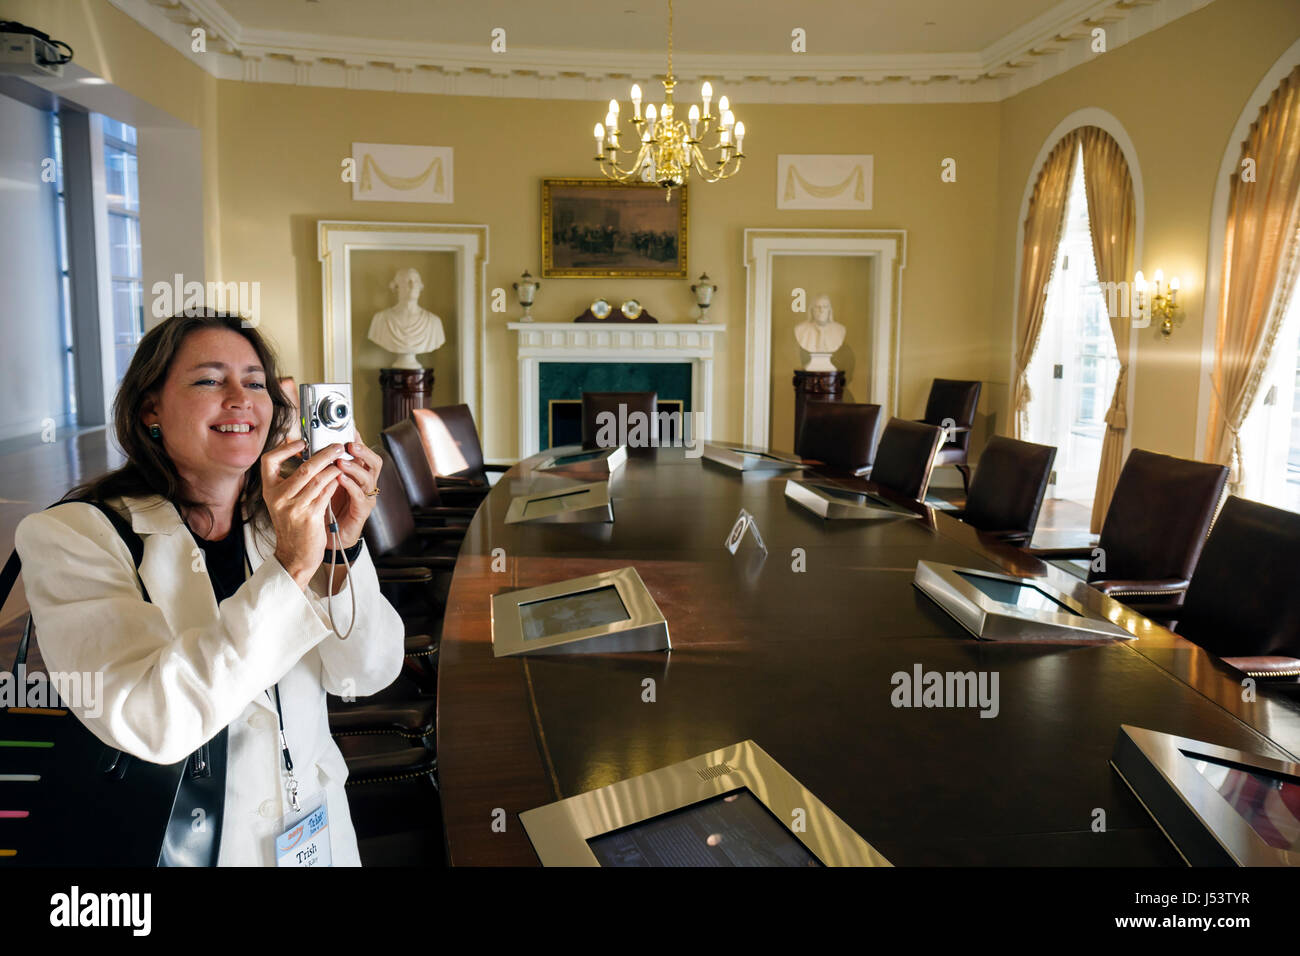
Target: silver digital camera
326,414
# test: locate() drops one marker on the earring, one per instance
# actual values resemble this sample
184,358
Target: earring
155,431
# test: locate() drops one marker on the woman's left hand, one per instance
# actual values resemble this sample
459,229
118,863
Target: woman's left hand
353,502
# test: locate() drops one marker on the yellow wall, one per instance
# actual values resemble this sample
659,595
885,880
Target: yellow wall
845,280
372,271
273,195
1178,92
272,155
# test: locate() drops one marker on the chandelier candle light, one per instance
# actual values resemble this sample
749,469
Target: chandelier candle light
668,147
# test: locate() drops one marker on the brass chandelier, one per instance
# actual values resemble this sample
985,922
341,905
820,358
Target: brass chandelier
667,147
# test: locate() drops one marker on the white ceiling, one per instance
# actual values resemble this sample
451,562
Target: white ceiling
756,27
858,51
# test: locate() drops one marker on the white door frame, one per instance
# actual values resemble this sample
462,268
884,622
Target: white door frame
886,253
337,240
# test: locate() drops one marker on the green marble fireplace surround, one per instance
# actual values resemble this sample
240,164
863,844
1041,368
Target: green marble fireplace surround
561,384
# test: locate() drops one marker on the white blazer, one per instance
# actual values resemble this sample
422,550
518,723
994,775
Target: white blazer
178,669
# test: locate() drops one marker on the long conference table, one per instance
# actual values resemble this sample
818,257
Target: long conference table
800,661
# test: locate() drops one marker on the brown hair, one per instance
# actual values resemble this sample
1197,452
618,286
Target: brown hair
148,469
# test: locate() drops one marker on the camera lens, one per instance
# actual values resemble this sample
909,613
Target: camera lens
332,411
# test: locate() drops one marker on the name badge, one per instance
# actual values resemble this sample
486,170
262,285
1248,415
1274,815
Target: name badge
306,841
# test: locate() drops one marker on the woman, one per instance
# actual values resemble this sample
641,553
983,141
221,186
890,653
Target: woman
234,567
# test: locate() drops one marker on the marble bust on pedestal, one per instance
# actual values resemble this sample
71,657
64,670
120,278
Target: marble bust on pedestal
405,328
820,335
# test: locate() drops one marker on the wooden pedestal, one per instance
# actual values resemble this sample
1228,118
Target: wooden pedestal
404,389
814,387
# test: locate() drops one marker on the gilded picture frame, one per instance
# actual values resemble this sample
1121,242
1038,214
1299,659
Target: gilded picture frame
597,228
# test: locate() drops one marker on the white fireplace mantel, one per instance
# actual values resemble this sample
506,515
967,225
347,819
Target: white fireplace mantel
592,342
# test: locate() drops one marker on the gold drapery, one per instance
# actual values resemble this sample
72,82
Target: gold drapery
1259,263
1037,256
400,182
1112,219
856,177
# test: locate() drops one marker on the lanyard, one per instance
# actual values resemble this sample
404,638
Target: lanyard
290,782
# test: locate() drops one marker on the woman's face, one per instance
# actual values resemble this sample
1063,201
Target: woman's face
215,380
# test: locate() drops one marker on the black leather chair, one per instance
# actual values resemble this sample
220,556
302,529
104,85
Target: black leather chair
453,448
1243,602
595,404
905,457
954,400
842,435
1155,528
411,459
1007,490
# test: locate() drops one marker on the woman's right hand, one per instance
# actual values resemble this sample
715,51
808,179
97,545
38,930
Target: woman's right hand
297,506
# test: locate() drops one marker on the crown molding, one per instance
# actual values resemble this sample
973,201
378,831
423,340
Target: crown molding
1050,44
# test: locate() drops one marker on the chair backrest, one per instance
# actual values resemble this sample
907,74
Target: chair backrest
1010,481
1244,597
451,441
905,457
390,523
954,399
621,405
841,434
404,445
1159,517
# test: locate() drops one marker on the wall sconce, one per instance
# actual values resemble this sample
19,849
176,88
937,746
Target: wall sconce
526,290
1159,302
704,289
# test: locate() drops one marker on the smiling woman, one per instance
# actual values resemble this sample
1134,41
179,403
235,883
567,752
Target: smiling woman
224,643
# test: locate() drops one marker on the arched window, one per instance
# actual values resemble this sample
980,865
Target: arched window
1073,317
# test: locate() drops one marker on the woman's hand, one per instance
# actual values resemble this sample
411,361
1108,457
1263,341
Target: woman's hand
297,506
353,501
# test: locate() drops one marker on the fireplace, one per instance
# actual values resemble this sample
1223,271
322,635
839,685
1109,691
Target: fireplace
558,361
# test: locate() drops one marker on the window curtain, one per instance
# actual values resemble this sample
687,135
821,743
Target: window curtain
1259,262
1112,219
1037,256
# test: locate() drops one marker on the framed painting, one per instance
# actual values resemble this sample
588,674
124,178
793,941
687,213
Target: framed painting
600,228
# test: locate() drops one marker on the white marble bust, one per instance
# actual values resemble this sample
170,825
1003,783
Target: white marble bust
406,329
820,335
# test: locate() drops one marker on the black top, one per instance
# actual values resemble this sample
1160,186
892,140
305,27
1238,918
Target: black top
224,559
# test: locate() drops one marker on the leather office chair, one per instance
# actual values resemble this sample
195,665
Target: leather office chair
1243,602
1007,490
955,400
842,435
905,457
411,459
595,404
1155,527
452,445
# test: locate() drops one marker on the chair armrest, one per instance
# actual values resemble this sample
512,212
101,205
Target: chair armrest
443,511
1060,554
1265,667
430,562
1018,538
440,532
455,481
1119,587
407,575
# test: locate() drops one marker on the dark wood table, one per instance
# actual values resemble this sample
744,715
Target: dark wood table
801,664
